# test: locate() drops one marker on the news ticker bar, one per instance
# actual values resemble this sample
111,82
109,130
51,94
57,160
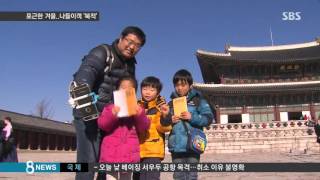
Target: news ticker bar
46,167
50,16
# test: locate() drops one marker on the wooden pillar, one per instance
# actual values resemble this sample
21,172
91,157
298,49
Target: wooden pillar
239,73
312,112
30,140
48,142
270,71
63,143
67,143
74,143
240,80
59,143
39,140
276,113
26,140
244,110
217,108
43,141
52,141
17,137
56,142
34,140
26,143
303,70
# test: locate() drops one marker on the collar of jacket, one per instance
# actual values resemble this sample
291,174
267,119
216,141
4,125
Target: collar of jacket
115,47
192,93
148,105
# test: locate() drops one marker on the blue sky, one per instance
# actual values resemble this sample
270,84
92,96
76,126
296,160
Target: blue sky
39,58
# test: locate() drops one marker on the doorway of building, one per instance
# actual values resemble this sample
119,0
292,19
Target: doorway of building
295,116
234,118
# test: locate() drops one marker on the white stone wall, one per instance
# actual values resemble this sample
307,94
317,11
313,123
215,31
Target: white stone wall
264,137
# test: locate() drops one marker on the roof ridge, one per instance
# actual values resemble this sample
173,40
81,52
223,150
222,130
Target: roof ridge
274,48
255,84
261,48
32,116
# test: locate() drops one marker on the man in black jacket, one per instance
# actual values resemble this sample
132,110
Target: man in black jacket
100,69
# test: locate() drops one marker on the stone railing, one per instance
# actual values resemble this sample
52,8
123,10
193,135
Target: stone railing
291,136
264,125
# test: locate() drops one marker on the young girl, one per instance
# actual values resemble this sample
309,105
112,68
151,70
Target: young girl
121,143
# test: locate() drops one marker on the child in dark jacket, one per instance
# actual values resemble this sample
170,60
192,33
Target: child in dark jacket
199,115
121,143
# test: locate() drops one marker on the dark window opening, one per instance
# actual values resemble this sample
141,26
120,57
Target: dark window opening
295,116
234,118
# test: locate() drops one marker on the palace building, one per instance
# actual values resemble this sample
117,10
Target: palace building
262,84
34,133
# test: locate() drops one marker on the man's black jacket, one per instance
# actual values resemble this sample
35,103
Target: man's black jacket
103,83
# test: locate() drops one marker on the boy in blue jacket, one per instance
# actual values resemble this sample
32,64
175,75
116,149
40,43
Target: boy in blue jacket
199,115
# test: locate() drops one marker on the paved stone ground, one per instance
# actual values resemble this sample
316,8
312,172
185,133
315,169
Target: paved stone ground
51,156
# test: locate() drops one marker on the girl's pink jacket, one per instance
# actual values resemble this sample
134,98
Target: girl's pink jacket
120,143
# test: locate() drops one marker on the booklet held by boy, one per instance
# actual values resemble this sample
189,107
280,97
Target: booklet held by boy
127,102
179,105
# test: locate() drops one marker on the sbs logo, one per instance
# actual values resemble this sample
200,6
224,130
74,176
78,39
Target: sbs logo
291,16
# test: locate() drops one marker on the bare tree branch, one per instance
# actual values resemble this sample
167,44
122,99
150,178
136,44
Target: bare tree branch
44,110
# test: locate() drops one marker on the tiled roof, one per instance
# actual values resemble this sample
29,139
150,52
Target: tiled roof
261,87
210,62
281,53
22,121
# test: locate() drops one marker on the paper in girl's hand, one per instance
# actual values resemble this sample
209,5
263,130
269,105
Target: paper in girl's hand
180,105
127,101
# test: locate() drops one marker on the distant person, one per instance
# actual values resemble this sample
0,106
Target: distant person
1,138
317,130
199,115
101,69
8,147
121,143
152,142
305,117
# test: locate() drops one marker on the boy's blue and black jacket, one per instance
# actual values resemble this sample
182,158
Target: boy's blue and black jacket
201,116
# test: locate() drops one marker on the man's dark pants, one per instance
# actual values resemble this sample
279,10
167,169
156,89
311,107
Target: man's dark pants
88,145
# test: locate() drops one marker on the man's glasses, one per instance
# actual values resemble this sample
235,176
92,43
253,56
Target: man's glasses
130,42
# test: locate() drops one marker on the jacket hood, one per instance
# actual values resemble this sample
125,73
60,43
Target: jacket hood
147,105
157,102
192,93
